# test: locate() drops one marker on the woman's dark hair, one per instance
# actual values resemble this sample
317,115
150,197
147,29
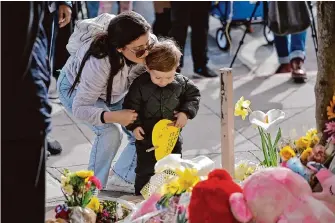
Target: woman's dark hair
122,30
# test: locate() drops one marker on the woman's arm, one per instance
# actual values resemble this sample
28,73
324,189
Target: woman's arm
92,85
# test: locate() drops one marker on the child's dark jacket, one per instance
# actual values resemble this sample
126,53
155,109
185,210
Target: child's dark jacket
153,103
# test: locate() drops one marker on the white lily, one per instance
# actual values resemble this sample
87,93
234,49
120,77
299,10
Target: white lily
266,120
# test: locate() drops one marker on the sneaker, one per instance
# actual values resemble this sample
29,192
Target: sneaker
54,147
115,183
205,72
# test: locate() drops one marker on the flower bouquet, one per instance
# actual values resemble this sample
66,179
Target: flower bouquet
305,155
263,121
81,203
169,203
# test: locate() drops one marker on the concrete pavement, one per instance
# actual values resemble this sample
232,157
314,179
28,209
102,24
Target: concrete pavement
202,135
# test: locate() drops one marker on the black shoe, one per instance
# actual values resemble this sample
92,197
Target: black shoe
205,72
54,147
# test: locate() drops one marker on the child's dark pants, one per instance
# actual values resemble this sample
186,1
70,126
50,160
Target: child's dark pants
146,163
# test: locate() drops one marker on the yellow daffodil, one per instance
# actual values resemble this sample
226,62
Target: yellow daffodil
312,136
242,108
84,173
305,154
287,153
68,189
94,204
303,142
188,178
240,171
172,187
331,109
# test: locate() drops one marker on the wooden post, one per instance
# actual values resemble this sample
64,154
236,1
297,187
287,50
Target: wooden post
227,120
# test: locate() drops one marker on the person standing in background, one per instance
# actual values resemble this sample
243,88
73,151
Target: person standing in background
57,15
196,15
291,55
162,23
92,8
26,112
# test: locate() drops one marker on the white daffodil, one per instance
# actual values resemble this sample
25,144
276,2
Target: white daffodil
266,120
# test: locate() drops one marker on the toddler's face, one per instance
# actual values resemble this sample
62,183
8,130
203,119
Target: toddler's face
162,79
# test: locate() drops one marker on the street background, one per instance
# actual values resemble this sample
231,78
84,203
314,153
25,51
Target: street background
253,79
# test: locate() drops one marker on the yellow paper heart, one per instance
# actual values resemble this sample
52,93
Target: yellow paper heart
164,138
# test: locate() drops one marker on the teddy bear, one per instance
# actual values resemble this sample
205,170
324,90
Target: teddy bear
327,181
210,199
278,195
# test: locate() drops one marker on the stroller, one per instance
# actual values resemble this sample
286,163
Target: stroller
243,13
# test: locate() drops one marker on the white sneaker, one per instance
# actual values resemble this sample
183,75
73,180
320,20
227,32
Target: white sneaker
115,183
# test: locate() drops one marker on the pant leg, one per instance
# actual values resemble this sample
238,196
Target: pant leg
200,25
282,47
24,171
180,20
162,23
108,137
92,8
125,166
145,168
298,42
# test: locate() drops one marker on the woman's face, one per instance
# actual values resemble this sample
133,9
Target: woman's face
137,50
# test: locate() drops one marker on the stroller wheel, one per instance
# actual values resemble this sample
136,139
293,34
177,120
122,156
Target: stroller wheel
268,34
222,39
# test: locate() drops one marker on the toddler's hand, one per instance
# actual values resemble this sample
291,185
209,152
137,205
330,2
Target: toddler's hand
181,119
138,133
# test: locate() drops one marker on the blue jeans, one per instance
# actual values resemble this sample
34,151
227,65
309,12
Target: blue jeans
107,142
92,8
290,47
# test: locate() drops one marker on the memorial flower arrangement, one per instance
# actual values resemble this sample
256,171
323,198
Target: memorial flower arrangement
81,203
263,121
169,203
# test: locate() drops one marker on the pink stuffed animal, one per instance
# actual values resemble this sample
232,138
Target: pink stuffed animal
278,195
327,181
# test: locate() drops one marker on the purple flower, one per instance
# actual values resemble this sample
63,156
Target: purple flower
330,128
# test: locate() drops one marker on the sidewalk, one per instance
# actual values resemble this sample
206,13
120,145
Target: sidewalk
202,135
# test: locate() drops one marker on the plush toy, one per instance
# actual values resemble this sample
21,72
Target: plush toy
327,181
148,206
278,195
210,199
296,166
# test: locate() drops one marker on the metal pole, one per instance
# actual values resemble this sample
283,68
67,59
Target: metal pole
227,121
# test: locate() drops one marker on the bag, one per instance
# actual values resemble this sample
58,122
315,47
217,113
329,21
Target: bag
288,17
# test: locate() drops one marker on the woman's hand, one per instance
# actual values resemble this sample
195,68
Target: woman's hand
123,117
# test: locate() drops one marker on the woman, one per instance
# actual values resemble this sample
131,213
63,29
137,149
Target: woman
96,78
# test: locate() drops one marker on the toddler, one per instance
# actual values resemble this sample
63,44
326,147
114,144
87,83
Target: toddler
158,94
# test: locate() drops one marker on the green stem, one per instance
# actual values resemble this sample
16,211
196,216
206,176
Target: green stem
263,146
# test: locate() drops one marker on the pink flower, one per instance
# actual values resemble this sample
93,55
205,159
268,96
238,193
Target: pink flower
332,138
96,182
330,128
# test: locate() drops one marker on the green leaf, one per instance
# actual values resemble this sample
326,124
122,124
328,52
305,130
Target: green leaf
278,137
266,159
